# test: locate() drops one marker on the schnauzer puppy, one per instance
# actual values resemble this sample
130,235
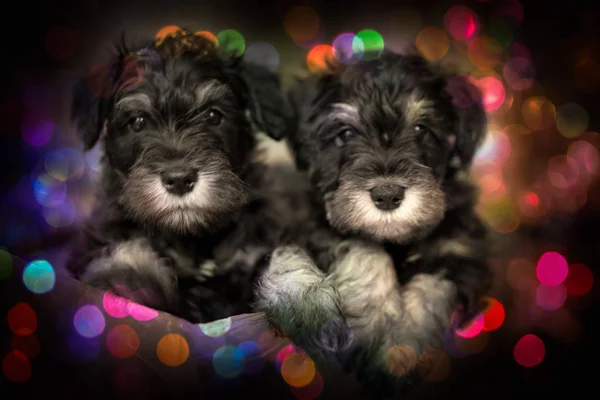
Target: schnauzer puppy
387,144
182,214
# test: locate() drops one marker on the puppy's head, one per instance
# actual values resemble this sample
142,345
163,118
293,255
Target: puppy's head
381,138
174,129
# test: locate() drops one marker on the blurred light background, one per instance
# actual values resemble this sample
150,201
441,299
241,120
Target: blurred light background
537,64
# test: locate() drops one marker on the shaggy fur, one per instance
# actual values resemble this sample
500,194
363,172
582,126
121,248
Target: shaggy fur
387,144
184,210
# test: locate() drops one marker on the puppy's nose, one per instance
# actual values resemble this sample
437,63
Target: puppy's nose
179,181
387,197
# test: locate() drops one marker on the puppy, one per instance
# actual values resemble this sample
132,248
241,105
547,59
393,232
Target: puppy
183,215
387,144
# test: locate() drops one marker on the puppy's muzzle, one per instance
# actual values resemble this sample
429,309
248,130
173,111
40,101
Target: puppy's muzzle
179,181
387,197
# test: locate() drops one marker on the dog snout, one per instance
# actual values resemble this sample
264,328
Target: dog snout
179,181
387,197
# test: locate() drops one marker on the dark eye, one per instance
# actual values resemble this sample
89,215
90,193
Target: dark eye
421,128
137,124
214,117
343,137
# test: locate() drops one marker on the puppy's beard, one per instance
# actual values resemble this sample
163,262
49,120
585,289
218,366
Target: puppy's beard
350,209
212,203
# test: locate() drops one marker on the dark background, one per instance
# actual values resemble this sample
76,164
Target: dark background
557,33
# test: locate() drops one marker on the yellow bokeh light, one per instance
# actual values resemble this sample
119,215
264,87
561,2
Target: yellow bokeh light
400,359
164,32
484,52
208,35
433,43
298,369
172,350
571,120
538,113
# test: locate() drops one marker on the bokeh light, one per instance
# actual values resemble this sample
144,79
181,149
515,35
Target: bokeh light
434,365
433,43
311,391
283,354
216,328
563,171
550,297
114,305
298,369
472,328
493,315
172,350
370,42
302,24
122,341
571,120
460,22
22,319
16,367
208,35
37,129
39,276
496,148
252,353
472,346
538,113
62,215
165,32
347,48
227,362
28,345
141,313
263,54
6,264
529,351
400,359
519,73
580,280
49,192
552,269
89,321
65,164
231,43
484,52
493,93
586,156
320,59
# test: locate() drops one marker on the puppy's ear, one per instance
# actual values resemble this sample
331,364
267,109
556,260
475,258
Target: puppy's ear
472,120
89,106
269,109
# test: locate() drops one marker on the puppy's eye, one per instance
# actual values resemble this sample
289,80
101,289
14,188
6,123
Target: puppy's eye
344,136
137,124
421,128
214,117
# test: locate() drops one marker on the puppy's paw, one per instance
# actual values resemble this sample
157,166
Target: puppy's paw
139,286
313,324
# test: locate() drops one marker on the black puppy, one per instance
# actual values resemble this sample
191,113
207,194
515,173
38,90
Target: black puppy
387,144
184,209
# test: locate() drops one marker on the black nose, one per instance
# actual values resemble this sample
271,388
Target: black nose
387,197
179,181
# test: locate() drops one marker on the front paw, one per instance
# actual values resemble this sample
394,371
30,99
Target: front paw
313,322
139,286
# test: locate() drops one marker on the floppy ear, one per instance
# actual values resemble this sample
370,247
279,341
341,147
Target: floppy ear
472,120
89,106
269,109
